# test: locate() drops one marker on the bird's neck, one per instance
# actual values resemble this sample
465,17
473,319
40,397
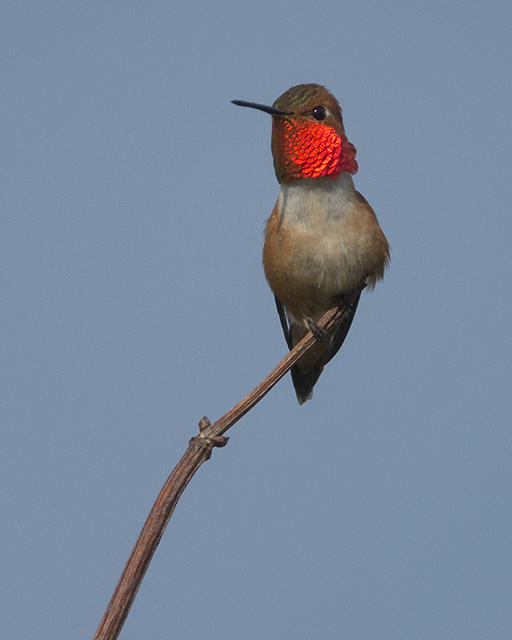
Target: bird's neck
329,197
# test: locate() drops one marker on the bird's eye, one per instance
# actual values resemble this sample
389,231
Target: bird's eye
319,113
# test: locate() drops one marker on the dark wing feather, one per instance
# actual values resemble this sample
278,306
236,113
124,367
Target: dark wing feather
284,323
340,333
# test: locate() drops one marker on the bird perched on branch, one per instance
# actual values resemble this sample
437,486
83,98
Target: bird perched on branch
323,243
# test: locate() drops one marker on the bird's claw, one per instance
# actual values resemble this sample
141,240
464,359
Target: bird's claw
317,331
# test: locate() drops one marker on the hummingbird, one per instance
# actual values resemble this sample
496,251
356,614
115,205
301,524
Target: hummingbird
323,243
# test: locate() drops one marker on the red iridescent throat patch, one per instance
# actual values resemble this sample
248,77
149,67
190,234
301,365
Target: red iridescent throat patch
312,150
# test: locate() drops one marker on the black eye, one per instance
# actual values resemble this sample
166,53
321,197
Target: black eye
319,113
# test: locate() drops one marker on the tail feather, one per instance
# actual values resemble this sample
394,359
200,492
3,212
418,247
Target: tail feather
304,382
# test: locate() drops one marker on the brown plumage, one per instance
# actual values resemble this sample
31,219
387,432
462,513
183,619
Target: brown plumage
322,246
323,243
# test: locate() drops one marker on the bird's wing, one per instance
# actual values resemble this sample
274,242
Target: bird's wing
340,333
284,323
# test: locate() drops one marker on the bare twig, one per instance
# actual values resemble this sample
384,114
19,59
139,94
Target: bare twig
199,450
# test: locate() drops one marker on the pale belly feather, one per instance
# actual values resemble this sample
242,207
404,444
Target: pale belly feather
320,243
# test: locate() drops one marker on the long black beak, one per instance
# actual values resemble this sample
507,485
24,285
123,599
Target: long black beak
261,107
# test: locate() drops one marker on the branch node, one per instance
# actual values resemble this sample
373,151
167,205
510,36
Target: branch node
210,442
204,423
220,441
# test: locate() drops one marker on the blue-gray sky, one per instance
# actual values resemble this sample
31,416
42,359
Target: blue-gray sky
133,302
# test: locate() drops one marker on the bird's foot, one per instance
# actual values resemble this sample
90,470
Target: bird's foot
317,331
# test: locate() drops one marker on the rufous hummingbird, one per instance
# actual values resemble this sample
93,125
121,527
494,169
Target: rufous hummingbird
323,243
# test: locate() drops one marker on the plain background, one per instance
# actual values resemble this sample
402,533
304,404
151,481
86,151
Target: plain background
133,203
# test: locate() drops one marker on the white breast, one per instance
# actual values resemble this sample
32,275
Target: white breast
322,215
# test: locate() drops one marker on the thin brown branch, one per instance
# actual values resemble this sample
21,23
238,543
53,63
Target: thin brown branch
199,450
